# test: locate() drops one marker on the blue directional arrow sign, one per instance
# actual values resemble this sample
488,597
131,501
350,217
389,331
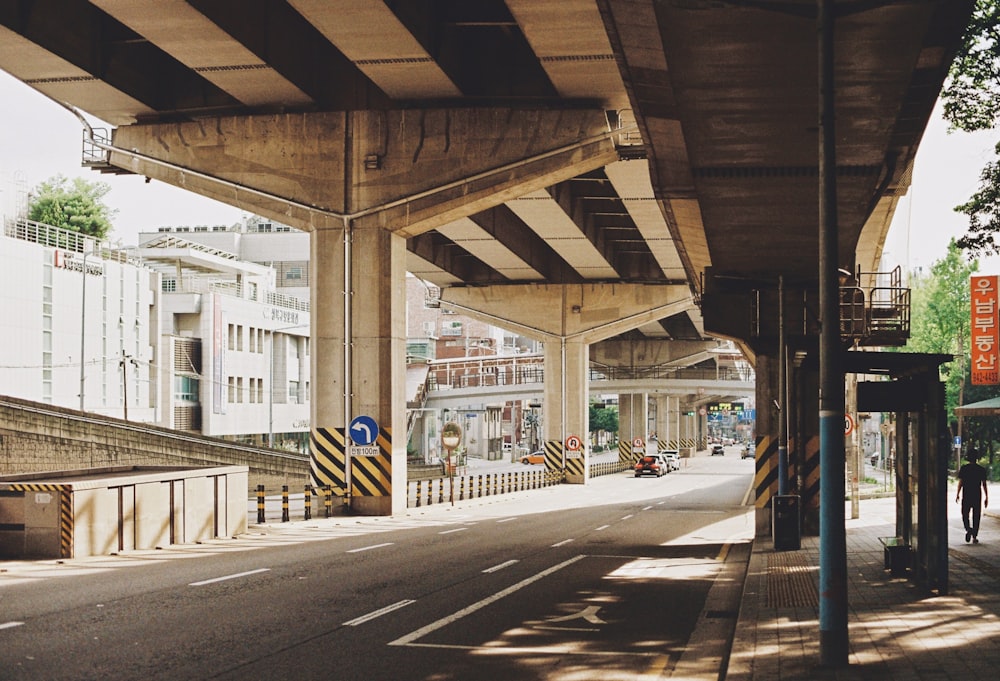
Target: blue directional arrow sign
363,430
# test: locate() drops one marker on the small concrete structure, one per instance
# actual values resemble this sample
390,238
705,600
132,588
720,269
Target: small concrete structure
102,511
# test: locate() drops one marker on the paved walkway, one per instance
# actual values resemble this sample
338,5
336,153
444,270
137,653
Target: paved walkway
896,632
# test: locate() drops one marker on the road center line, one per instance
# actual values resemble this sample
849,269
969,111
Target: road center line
10,625
506,520
457,529
646,508
222,579
378,613
628,516
369,548
562,543
501,566
444,621
602,527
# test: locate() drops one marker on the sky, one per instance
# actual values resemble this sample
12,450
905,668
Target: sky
39,140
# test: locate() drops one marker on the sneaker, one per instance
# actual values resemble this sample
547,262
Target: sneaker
968,537
975,540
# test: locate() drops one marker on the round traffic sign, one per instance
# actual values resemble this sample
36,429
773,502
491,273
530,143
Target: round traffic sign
848,424
637,442
573,443
363,430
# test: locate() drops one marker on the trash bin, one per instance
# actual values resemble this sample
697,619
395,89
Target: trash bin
786,516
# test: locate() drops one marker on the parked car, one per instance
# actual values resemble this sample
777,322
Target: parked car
748,451
651,464
718,450
672,458
534,457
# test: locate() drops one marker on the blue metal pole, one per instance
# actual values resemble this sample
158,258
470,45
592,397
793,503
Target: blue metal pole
833,637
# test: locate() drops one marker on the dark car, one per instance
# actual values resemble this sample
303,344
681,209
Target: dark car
651,464
718,450
748,451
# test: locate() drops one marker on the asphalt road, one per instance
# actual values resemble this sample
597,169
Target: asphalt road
622,578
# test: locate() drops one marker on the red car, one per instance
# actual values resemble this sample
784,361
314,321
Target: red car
651,464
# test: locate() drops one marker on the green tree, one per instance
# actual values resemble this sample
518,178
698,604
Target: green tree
971,99
75,205
603,419
940,317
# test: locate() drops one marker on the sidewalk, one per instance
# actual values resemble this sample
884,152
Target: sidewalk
896,633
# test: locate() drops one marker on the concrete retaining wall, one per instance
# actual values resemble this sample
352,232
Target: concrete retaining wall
37,437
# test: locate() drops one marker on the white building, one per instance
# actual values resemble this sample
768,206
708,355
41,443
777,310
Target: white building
79,325
236,351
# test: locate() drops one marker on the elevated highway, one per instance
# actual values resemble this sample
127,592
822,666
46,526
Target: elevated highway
587,172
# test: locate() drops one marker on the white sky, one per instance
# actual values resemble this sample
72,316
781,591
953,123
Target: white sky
39,139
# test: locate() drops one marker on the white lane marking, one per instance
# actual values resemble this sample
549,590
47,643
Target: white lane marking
222,579
369,548
628,516
444,621
506,520
562,543
647,508
501,566
457,529
378,613
602,527
10,625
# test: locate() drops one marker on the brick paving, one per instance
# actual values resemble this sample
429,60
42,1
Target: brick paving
896,631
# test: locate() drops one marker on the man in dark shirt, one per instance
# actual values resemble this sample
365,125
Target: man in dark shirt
972,479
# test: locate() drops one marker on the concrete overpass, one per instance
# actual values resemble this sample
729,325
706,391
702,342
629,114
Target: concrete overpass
584,171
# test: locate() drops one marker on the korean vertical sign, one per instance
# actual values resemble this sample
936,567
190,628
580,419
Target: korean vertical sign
985,330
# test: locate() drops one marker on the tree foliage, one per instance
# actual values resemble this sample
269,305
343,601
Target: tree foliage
603,419
971,99
75,205
940,317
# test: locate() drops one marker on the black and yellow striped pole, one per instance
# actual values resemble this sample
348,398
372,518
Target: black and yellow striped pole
260,504
328,500
307,514
284,503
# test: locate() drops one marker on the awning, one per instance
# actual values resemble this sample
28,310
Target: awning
984,408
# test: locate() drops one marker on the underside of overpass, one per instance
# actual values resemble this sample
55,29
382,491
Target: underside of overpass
583,171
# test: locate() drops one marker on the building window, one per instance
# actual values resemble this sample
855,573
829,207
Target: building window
293,392
186,389
239,389
232,390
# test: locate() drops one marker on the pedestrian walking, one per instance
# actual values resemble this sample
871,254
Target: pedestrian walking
972,481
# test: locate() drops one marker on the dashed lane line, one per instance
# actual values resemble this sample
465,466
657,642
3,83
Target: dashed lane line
227,577
369,548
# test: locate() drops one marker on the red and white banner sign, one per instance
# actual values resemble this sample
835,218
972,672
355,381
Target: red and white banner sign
985,330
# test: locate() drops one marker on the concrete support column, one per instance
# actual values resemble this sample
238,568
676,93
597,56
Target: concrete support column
663,421
766,476
567,398
358,365
632,415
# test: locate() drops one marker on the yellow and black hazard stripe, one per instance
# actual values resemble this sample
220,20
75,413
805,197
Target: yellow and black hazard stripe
553,455
371,476
36,487
810,474
66,523
574,466
766,478
625,452
327,459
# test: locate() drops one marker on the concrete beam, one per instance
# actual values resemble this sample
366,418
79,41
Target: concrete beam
589,312
406,171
